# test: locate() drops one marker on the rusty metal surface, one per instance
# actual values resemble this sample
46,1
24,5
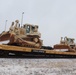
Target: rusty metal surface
61,46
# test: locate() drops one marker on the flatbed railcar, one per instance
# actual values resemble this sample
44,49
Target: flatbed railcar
25,52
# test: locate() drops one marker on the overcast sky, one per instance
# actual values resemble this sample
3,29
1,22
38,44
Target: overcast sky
56,18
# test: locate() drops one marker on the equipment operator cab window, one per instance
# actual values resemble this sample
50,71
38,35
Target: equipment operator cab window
33,28
70,40
28,29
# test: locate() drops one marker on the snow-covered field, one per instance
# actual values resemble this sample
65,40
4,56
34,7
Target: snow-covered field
13,66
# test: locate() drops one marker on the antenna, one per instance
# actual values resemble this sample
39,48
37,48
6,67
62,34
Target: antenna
22,18
5,24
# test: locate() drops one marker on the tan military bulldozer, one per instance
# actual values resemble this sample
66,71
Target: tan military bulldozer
25,36
66,43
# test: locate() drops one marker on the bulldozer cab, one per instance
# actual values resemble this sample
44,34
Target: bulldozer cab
25,30
68,41
30,28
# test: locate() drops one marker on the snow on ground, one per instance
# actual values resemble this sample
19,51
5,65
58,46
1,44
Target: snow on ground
18,66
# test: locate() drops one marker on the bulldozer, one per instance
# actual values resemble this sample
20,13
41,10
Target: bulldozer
25,36
66,43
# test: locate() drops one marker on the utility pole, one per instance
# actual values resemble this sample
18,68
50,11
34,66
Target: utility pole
5,24
22,18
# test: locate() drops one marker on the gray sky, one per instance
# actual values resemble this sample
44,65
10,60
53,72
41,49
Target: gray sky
55,18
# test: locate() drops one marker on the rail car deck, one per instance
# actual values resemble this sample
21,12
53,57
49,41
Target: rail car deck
34,52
